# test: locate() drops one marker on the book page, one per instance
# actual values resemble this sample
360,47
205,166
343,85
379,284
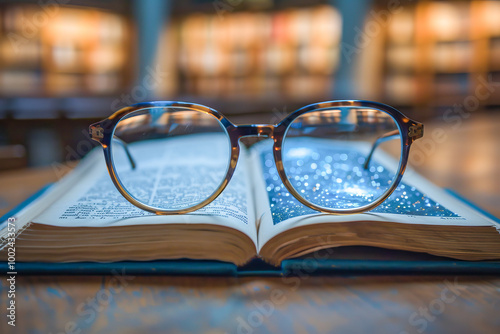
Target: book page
415,200
94,201
51,194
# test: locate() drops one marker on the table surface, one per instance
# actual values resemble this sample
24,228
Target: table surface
464,156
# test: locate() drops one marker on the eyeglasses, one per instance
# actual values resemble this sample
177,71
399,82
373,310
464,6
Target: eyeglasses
339,157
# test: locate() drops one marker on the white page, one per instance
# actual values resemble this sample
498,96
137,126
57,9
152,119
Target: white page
93,200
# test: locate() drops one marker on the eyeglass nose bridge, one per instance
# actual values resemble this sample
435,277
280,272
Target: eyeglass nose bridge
255,130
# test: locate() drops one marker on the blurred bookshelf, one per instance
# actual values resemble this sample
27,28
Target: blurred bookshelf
254,57
51,54
77,51
439,52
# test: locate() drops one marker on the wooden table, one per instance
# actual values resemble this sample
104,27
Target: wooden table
465,157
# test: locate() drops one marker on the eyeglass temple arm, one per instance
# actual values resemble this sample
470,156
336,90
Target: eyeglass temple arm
383,138
127,151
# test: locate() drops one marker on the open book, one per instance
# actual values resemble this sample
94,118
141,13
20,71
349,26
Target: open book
84,218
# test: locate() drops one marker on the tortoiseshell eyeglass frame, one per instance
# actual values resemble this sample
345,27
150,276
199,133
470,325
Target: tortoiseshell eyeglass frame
409,130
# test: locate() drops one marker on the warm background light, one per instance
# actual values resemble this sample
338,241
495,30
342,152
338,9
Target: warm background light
258,59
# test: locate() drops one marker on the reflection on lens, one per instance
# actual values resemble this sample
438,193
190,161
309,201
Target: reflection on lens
342,158
170,158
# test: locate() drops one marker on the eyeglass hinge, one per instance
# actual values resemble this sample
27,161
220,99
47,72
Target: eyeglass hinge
96,132
416,131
